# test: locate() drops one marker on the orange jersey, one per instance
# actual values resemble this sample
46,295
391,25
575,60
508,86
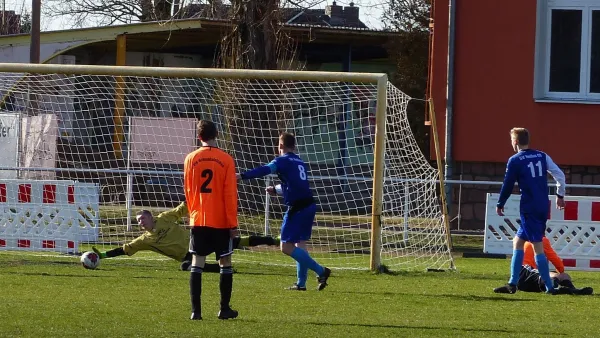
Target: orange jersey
529,256
210,188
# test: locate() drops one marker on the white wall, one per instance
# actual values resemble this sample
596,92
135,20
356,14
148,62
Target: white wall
20,54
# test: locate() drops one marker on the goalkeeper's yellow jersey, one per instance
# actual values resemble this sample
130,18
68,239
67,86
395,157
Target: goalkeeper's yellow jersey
167,238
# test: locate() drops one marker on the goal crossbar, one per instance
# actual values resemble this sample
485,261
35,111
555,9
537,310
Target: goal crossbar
214,73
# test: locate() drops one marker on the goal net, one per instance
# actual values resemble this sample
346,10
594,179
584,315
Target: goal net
90,146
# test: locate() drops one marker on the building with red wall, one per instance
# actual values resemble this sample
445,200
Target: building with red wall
516,63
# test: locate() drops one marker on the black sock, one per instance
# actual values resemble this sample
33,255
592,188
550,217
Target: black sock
211,267
567,283
196,289
115,252
226,285
260,240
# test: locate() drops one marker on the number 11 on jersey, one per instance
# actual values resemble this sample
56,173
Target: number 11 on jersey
538,164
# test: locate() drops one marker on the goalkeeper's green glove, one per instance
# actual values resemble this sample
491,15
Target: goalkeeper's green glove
100,254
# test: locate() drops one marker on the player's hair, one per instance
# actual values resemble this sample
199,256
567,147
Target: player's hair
144,212
521,134
207,130
288,140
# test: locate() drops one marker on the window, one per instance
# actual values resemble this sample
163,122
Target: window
568,50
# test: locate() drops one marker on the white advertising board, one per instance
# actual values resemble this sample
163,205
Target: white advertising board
161,140
9,144
38,139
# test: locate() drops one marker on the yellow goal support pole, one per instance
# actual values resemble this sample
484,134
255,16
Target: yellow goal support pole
438,158
119,115
378,171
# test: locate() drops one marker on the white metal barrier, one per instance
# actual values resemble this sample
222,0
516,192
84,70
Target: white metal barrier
574,232
48,215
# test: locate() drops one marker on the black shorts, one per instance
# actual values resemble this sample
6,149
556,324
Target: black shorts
531,281
206,240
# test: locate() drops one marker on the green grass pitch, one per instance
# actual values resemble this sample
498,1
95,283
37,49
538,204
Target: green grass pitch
43,296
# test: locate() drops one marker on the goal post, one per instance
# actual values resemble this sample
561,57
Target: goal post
126,130
380,119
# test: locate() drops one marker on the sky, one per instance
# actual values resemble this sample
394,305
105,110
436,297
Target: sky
370,11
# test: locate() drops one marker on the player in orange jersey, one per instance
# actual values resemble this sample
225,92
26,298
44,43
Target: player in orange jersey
528,255
210,187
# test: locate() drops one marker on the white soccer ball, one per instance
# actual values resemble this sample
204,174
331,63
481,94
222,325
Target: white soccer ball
90,260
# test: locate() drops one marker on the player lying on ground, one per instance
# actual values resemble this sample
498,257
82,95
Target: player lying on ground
530,280
300,215
164,236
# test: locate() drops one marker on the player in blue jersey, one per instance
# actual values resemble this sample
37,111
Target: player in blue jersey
529,168
298,219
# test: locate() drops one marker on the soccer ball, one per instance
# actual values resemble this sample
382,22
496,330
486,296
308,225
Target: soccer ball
90,260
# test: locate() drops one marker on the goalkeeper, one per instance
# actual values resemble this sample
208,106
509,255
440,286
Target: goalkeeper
164,236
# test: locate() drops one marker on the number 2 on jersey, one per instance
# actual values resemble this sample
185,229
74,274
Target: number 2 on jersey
302,172
531,167
208,174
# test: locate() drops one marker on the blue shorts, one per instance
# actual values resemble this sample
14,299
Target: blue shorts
533,227
297,226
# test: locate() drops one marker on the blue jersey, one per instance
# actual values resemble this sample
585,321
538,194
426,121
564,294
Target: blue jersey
530,168
292,172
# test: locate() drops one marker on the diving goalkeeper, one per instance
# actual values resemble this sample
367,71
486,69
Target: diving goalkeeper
164,236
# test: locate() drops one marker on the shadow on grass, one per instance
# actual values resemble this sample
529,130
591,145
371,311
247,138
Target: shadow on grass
264,273
45,274
84,275
22,262
437,296
410,327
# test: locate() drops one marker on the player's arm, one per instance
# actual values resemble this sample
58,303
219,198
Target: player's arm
129,249
138,244
110,253
230,196
175,214
553,256
260,171
510,177
528,255
558,176
186,178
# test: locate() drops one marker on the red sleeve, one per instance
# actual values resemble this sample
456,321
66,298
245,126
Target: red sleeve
528,255
231,195
553,256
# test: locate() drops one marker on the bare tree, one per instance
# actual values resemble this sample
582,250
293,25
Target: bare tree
14,19
256,110
83,13
410,52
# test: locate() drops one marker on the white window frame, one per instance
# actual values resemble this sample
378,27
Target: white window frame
542,52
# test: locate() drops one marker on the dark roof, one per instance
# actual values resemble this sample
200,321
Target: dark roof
317,17
290,16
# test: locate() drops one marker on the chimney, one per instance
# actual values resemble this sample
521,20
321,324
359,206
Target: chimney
351,15
334,11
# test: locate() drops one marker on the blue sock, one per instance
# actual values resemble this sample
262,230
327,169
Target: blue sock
515,266
304,259
302,273
542,264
